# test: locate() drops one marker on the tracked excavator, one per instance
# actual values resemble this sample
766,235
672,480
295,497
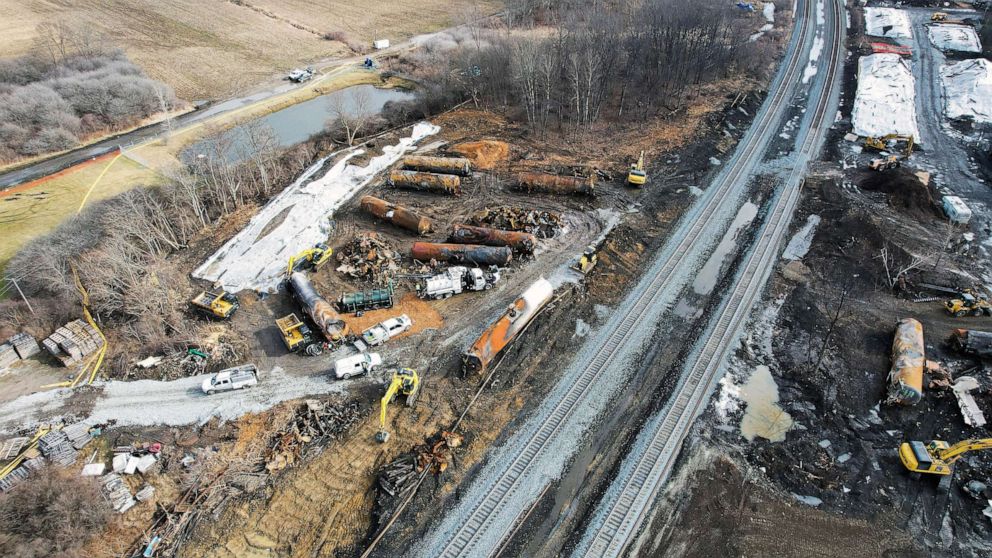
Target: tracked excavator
637,175
405,382
309,259
882,143
937,457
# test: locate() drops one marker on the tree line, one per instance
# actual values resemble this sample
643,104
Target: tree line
71,85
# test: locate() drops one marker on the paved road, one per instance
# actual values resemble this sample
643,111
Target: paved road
521,469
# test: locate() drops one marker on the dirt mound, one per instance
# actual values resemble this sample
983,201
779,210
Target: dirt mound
484,154
424,316
907,189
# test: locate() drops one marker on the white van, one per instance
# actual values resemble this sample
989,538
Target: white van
356,364
239,377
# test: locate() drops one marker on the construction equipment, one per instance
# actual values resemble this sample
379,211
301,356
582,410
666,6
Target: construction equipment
937,457
372,299
882,143
885,163
938,16
637,176
970,342
215,304
968,303
299,75
309,259
297,336
456,280
405,382
588,260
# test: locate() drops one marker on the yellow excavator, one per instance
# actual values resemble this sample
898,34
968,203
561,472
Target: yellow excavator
882,143
637,176
405,381
938,457
309,259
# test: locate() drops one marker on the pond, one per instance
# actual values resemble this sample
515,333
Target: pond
295,124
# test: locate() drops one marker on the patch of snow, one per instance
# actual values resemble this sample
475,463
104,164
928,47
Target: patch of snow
768,10
728,401
886,98
808,500
695,191
814,55
253,260
799,244
581,328
714,161
968,89
961,38
887,22
821,17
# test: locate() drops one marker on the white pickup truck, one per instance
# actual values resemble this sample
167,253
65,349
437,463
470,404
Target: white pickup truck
458,279
239,377
383,331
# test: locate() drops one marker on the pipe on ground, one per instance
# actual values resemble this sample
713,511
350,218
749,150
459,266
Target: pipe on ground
518,241
444,165
472,254
397,215
554,184
426,182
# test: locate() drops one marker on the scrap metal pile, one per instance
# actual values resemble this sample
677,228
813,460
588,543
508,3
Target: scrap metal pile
369,258
542,224
314,422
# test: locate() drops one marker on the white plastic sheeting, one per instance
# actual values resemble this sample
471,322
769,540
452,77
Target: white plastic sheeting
961,38
887,22
296,219
968,89
885,102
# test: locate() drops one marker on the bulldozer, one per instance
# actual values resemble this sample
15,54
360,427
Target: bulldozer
588,260
405,382
937,457
968,303
938,16
216,304
637,176
882,143
309,259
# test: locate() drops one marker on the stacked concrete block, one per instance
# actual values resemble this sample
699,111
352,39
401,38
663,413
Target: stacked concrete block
25,345
21,473
117,492
57,448
8,355
10,448
72,342
78,435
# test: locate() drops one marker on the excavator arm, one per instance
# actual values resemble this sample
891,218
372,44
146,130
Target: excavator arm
394,388
953,453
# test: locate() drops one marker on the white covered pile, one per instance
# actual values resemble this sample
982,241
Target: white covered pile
256,257
968,89
961,38
885,102
887,22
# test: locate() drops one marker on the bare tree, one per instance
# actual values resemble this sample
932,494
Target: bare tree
351,113
894,271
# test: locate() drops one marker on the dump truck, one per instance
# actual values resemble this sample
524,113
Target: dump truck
215,304
456,280
505,329
362,301
317,310
970,342
908,360
297,336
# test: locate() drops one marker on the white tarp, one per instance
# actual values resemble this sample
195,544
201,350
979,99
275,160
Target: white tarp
885,103
961,38
887,22
296,219
968,89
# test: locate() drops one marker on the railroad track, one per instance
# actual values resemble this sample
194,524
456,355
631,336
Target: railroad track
697,229
642,476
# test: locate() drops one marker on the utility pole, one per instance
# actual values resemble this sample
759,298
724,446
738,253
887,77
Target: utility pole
24,298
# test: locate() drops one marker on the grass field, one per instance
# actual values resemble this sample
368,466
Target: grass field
212,49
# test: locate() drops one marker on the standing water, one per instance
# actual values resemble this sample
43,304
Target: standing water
763,416
708,275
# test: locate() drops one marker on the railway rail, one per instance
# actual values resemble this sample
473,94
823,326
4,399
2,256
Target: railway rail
625,508
693,236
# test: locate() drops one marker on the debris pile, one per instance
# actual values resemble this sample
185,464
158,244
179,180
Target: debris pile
314,422
542,224
72,342
78,434
435,456
21,473
369,258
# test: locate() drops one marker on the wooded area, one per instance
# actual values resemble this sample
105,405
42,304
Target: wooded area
71,86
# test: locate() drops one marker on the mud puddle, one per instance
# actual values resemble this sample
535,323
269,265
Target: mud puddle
707,277
763,417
